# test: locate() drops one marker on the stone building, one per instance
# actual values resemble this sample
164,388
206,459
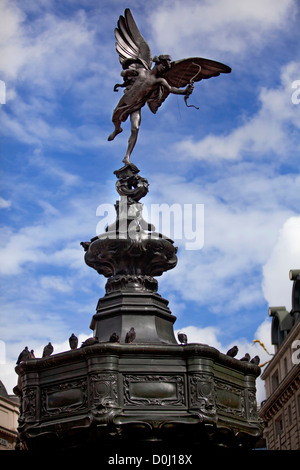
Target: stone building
9,412
281,409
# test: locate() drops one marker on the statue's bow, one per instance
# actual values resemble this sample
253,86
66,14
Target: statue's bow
191,88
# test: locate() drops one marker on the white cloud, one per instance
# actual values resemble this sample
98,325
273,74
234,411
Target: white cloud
38,122
10,21
285,255
243,213
56,283
46,51
207,335
8,375
4,203
45,59
52,169
264,132
38,245
54,239
222,25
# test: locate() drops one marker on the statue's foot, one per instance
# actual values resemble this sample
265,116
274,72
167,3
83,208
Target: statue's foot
126,160
114,133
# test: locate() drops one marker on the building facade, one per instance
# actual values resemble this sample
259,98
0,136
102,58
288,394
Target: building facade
281,409
9,413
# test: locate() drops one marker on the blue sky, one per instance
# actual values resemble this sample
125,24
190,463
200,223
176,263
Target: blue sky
238,155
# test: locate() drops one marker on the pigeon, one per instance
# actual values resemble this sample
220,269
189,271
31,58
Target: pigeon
233,351
255,360
90,341
48,350
182,337
130,335
114,338
24,355
73,341
246,358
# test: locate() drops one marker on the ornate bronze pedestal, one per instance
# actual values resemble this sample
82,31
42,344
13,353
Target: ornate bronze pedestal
147,389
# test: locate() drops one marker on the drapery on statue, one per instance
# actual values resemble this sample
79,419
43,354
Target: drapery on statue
152,86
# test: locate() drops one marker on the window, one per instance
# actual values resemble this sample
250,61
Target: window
278,426
274,381
290,418
285,365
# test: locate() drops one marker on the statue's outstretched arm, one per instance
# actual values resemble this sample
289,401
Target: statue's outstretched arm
178,91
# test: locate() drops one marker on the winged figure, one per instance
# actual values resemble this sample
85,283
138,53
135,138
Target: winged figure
144,84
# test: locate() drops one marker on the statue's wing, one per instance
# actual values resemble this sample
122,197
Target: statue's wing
130,43
183,71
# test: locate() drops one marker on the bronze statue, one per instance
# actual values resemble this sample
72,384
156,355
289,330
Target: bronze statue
152,86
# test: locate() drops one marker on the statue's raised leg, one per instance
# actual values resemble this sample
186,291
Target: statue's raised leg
117,131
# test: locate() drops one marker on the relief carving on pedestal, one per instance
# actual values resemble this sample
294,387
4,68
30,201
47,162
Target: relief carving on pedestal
29,404
202,393
230,399
159,390
103,392
64,398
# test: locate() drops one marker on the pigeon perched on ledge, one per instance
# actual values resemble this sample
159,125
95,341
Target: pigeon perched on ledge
24,355
90,341
255,360
232,352
73,341
114,338
246,358
48,350
182,337
130,335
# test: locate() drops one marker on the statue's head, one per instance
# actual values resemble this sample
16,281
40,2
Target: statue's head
162,63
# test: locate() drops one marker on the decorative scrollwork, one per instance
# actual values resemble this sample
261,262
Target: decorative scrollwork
202,393
29,403
103,392
131,282
149,257
130,184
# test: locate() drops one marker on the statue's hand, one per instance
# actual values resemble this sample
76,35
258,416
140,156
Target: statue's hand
189,90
